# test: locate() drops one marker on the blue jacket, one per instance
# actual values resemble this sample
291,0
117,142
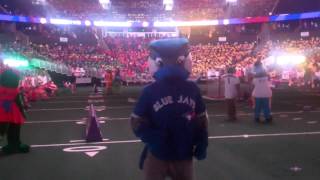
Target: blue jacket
171,105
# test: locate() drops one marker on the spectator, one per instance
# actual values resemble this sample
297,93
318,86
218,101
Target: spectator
231,93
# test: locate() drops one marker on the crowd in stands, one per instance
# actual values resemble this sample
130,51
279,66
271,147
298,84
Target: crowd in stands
198,10
130,54
218,56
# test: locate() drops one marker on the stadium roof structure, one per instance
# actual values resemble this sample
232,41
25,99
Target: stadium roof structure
58,12
101,23
152,10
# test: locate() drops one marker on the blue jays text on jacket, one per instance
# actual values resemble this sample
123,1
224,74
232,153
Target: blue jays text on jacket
170,108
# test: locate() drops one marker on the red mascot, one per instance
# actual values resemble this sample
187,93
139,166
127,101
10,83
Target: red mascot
12,114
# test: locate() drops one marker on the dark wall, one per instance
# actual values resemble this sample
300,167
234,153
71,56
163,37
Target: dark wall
297,6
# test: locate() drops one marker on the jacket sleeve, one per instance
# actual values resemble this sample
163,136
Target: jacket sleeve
201,129
20,104
140,119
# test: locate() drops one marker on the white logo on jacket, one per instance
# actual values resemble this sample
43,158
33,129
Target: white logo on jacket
169,100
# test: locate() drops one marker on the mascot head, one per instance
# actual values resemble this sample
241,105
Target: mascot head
170,58
9,78
231,70
259,70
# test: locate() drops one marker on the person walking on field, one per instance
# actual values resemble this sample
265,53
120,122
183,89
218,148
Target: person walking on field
108,79
73,81
231,92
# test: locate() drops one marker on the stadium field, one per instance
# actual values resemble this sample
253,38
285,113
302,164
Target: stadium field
287,149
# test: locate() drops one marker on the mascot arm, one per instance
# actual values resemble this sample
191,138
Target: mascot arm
139,125
20,104
200,151
142,128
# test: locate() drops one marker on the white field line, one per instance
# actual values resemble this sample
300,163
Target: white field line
79,101
80,96
73,96
63,102
131,107
63,121
127,118
211,137
55,109
82,140
71,109
54,121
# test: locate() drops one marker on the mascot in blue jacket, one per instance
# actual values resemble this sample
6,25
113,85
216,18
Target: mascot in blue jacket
170,116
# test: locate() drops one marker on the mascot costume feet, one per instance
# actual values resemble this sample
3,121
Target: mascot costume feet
12,114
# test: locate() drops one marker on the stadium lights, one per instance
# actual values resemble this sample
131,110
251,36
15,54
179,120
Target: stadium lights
284,60
167,2
226,21
60,21
76,22
232,1
112,24
43,20
65,22
87,23
15,63
145,24
263,19
185,23
105,3
38,2
164,24
168,7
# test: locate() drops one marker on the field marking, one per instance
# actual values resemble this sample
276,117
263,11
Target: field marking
84,96
70,109
54,121
82,140
80,96
127,118
57,109
131,107
76,120
297,119
77,101
211,137
312,122
265,135
63,102
58,102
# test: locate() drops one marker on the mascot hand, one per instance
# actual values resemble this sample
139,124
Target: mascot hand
200,152
6,105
